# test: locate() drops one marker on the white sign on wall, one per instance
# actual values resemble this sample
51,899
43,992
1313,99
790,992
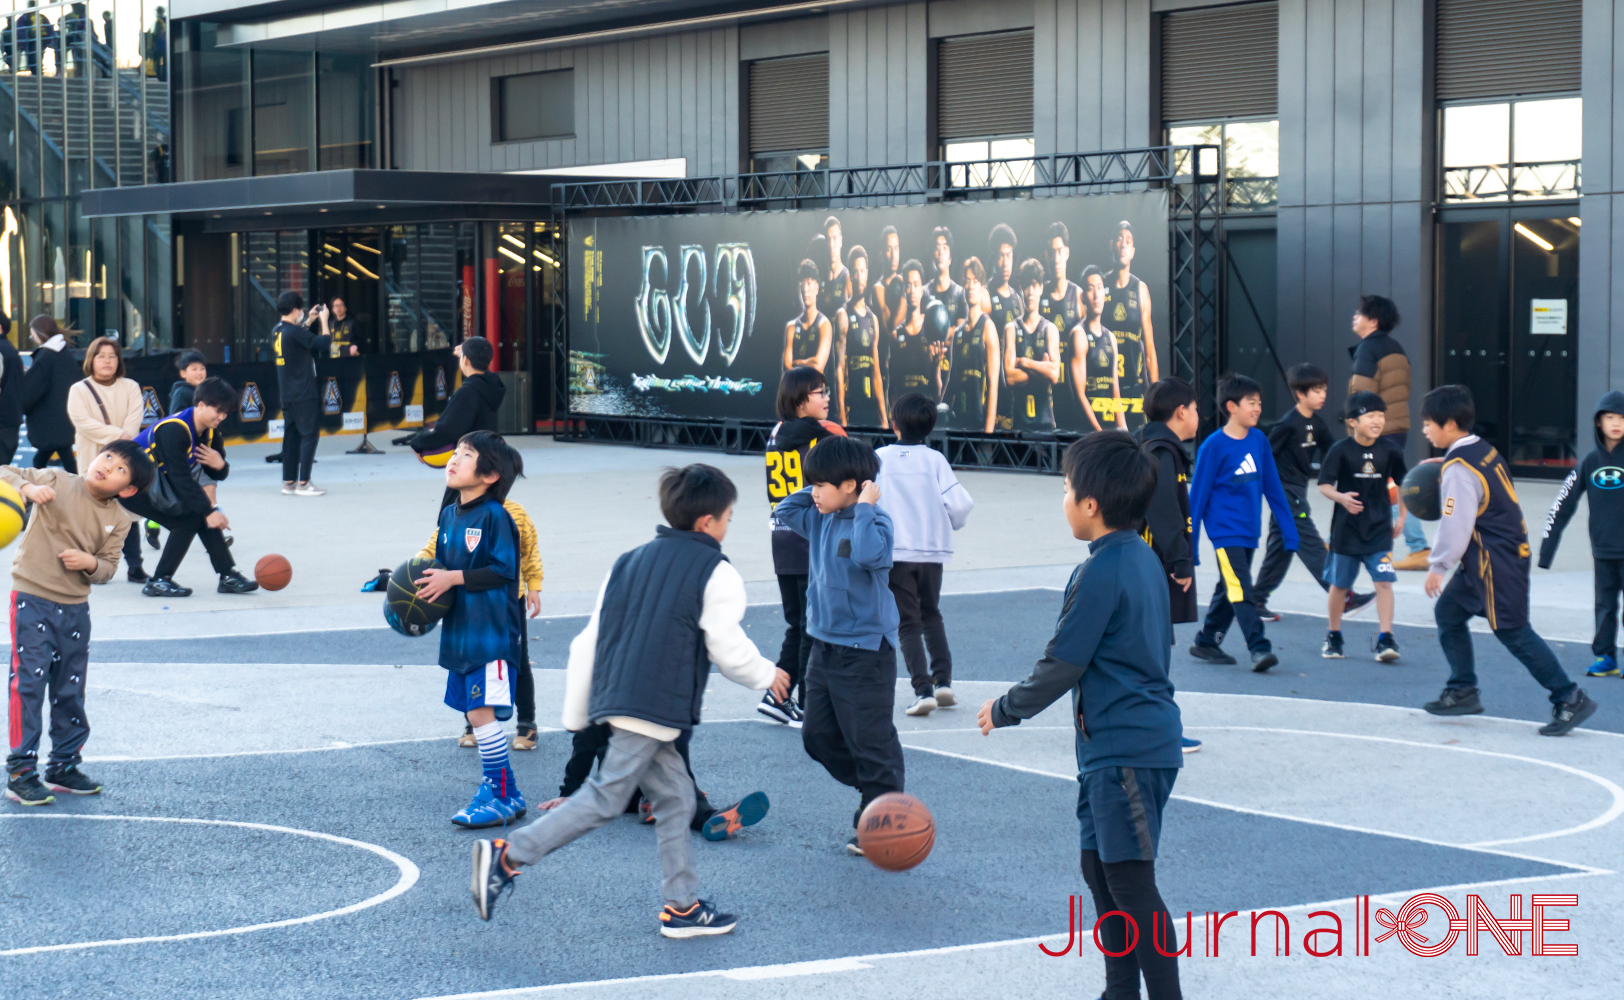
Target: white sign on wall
273,431
354,421
1548,316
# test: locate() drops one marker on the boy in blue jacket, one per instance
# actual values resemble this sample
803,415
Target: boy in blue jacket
852,617
1110,651
478,545
1233,470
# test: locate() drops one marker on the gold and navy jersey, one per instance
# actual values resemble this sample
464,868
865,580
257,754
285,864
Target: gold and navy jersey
786,451
1500,525
1032,401
1125,318
1100,361
834,291
966,392
804,341
861,374
911,367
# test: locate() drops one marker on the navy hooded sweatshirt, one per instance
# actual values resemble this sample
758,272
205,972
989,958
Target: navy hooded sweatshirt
1600,477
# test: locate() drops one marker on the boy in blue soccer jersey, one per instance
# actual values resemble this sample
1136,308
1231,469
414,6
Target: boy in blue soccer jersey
478,545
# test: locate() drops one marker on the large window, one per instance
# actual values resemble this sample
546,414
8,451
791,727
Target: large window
1251,159
1512,150
533,106
1005,162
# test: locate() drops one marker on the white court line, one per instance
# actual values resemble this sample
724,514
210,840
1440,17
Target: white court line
408,878
265,753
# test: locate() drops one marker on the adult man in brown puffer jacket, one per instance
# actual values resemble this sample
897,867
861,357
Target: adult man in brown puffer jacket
1381,366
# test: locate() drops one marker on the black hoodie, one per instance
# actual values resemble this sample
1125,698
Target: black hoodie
1601,475
1167,522
472,407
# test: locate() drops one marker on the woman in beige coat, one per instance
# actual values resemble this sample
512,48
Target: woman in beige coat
105,406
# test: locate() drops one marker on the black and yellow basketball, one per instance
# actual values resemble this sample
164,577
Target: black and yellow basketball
406,612
11,514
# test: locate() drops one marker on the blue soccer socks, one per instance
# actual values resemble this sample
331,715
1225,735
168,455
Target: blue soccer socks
493,754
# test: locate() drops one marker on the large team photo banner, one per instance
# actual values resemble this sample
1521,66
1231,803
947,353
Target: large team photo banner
1034,315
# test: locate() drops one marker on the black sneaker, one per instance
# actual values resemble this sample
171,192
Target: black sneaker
492,875
70,780
137,575
1354,602
1568,714
1332,648
852,847
24,789
1266,613
774,709
1456,701
1386,648
1211,654
699,920
163,587
1263,660
235,583
796,716
152,534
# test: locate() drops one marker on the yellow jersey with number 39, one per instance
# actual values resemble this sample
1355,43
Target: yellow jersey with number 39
787,447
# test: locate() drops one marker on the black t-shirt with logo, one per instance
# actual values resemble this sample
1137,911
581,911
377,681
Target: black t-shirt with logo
1363,470
1298,442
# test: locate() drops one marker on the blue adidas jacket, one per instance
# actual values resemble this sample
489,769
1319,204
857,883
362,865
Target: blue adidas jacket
480,539
848,598
1230,479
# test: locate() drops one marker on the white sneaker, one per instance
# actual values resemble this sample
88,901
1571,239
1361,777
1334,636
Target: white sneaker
308,490
945,698
287,489
923,705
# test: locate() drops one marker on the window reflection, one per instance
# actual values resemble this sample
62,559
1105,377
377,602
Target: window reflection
1512,150
1251,159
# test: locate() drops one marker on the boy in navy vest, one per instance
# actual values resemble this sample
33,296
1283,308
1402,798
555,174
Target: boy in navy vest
478,544
668,610
851,676
1110,651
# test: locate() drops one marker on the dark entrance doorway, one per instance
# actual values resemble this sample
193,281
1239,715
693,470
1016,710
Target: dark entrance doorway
1507,322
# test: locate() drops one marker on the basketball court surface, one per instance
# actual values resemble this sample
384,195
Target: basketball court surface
280,773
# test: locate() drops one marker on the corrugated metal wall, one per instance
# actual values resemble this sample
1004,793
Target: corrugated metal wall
1601,249
879,104
1091,70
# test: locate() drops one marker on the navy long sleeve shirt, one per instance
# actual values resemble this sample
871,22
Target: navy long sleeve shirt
848,597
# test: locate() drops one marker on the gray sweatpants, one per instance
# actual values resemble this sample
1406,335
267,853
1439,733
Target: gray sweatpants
633,761
50,650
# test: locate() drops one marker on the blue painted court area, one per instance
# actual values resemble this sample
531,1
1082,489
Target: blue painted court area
1005,861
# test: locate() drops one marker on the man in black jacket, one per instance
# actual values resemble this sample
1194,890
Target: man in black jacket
472,407
11,393
175,444
296,345
45,394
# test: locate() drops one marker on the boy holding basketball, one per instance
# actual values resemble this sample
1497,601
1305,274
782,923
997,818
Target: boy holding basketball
666,612
72,541
1110,651
479,640
852,616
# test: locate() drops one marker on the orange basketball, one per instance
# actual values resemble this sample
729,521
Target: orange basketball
896,832
273,572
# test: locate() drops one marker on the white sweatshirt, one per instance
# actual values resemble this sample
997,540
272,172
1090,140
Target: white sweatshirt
925,500
725,641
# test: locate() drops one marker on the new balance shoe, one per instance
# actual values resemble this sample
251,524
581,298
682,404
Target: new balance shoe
645,812
748,811
945,698
492,875
1605,666
1386,648
922,705
699,920
70,780
1332,648
25,789
525,738
1189,745
776,710
489,809
1211,654
1262,660
1356,602
1455,701
1568,714
1266,613
235,583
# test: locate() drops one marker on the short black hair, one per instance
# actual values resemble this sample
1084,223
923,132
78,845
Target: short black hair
693,491
1110,467
216,392
1122,227
478,353
794,386
1234,388
1164,398
1361,403
186,359
808,271
1090,271
913,416
836,459
1450,402
1381,310
494,455
1031,273
1000,235
1306,376
830,221
135,460
945,233
912,265
1059,229
288,302
889,231
973,268
856,252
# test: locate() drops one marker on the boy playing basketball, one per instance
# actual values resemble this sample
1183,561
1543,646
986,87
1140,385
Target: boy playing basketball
1110,651
666,612
73,540
479,640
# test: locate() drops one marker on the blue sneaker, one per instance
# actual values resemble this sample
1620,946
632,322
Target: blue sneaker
1605,666
489,809
492,875
748,811
1190,746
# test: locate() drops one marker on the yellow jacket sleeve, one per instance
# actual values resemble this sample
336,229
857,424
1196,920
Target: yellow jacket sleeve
530,573
428,550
